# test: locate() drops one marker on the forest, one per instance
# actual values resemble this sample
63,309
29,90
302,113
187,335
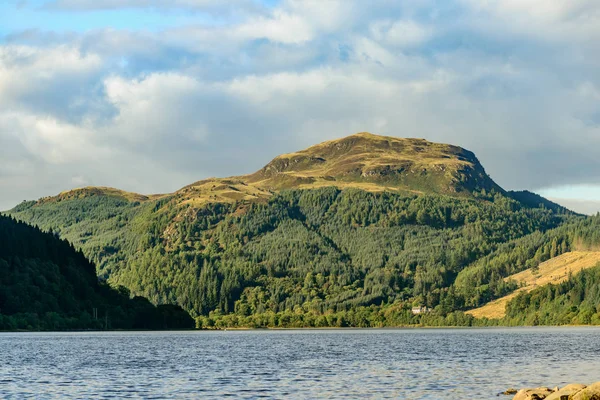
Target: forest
317,257
574,302
46,284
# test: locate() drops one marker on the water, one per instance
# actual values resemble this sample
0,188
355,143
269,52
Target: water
405,364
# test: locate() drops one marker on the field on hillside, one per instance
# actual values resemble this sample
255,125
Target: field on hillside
555,270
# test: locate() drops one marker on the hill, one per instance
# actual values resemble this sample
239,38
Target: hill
349,232
368,161
554,271
534,200
362,161
45,284
575,301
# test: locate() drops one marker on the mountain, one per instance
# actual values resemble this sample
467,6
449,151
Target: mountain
377,162
351,232
45,284
362,161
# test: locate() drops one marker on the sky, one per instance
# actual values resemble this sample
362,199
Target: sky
151,95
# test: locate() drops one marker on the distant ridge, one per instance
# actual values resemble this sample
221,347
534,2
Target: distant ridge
531,199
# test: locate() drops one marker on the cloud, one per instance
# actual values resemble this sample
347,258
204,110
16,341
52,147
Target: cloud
150,107
148,111
403,33
47,80
49,139
540,10
197,5
543,20
281,27
589,207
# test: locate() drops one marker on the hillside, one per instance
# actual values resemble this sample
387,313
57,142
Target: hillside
378,162
534,200
574,301
349,232
553,271
362,161
45,284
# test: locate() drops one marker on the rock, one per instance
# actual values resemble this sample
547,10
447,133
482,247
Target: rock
563,394
510,391
574,386
591,392
533,394
560,395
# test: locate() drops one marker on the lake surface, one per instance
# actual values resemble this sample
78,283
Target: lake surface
395,363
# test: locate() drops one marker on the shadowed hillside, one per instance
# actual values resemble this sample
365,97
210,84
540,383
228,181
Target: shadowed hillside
45,284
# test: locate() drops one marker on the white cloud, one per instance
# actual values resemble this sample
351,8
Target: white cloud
272,87
32,76
402,33
543,10
297,21
558,21
154,106
516,82
49,139
280,27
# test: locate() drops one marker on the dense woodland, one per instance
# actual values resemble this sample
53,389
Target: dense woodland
319,257
45,284
576,301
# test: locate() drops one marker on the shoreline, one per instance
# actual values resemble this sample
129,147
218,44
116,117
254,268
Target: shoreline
345,328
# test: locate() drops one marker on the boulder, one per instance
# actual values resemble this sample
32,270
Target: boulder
533,394
591,392
563,394
574,386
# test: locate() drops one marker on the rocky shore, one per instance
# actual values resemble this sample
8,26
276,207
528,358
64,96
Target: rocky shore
573,391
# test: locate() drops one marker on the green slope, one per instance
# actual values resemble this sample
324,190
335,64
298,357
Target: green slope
344,246
315,251
45,284
574,302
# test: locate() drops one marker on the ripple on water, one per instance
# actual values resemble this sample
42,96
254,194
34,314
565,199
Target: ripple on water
410,364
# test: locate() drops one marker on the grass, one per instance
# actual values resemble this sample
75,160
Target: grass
379,161
555,270
101,191
364,161
227,190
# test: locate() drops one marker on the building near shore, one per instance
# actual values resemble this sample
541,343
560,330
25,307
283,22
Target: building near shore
420,310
